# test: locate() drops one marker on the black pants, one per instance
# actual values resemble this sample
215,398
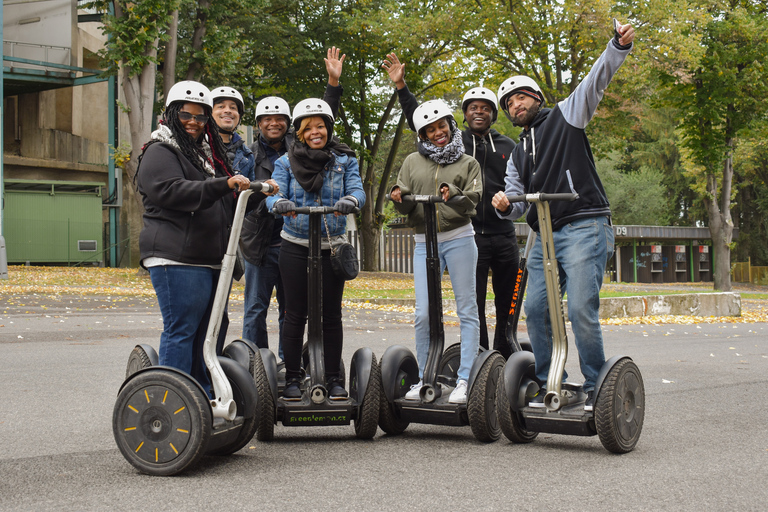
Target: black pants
293,272
500,254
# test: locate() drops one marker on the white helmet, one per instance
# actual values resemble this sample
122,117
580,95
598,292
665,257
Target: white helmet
229,93
429,112
189,91
311,107
480,93
516,83
271,106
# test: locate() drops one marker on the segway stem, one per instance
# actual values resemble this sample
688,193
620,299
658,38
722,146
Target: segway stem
223,404
554,399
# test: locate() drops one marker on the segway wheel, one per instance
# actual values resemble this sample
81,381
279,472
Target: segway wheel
388,419
265,406
367,421
481,402
244,394
511,422
620,407
161,422
448,369
139,359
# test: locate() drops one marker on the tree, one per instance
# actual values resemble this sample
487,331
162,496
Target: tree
135,30
721,98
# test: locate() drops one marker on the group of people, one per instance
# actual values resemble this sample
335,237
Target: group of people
189,179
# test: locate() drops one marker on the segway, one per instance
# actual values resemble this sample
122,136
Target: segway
163,420
449,363
400,370
315,408
619,402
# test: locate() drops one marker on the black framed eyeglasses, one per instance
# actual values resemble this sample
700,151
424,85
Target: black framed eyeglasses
186,116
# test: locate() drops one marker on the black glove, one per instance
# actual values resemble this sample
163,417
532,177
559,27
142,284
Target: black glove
285,206
345,205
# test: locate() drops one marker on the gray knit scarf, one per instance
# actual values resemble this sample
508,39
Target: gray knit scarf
446,154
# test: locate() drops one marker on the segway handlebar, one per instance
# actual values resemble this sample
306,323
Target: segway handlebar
423,198
540,196
261,186
306,210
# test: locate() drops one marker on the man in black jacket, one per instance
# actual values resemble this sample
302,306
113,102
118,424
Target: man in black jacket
554,156
495,238
260,239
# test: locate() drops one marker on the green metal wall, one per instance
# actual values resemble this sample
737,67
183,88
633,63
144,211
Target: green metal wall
44,227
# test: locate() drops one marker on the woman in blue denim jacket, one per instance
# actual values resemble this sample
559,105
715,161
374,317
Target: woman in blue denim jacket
318,170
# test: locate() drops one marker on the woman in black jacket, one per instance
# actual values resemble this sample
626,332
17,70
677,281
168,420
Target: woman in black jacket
188,190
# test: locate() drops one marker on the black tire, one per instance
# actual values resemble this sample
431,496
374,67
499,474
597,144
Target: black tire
240,389
389,422
511,422
448,368
265,408
620,407
161,422
241,352
481,402
367,421
137,360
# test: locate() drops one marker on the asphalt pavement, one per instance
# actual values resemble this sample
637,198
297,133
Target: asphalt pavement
703,446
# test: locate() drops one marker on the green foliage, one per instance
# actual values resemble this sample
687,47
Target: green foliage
637,198
134,29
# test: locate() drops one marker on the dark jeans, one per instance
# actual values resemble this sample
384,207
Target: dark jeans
260,280
500,254
185,295
294,271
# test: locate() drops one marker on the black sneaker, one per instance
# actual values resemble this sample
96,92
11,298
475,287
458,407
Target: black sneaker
336,389
589,403
292,390
538,399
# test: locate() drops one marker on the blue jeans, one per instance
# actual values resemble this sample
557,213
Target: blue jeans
460,257
185,296
260,280
582,248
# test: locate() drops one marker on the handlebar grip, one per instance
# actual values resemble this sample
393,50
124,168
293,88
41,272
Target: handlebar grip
261,186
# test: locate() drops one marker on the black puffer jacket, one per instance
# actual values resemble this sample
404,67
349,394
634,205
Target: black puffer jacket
187,213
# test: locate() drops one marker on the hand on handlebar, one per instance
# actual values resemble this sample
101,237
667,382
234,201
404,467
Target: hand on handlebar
500,201
286,208
345,206
395,195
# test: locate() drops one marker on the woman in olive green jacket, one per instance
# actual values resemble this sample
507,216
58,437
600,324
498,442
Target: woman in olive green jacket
440,167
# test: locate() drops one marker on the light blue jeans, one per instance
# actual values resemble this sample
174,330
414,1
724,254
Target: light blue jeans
460,257
582,248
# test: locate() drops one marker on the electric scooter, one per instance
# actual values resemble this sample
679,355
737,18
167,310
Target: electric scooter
315,408
400,370
619,405
163,420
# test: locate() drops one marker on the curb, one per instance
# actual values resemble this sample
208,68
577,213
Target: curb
686,304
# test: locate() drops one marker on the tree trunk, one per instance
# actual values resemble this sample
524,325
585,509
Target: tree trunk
169,63
721,224
197,38
139,92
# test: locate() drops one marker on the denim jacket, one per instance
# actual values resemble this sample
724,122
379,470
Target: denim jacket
240,157
341,177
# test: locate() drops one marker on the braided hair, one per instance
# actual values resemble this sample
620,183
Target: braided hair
190,148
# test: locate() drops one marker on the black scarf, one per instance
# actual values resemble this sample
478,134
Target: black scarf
307,164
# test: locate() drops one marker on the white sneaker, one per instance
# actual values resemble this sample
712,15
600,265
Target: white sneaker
413,394
459,394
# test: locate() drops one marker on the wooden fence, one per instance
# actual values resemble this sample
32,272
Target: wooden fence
744,272
395,249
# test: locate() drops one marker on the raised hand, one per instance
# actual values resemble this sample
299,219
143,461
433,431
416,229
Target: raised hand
334,64
395,70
